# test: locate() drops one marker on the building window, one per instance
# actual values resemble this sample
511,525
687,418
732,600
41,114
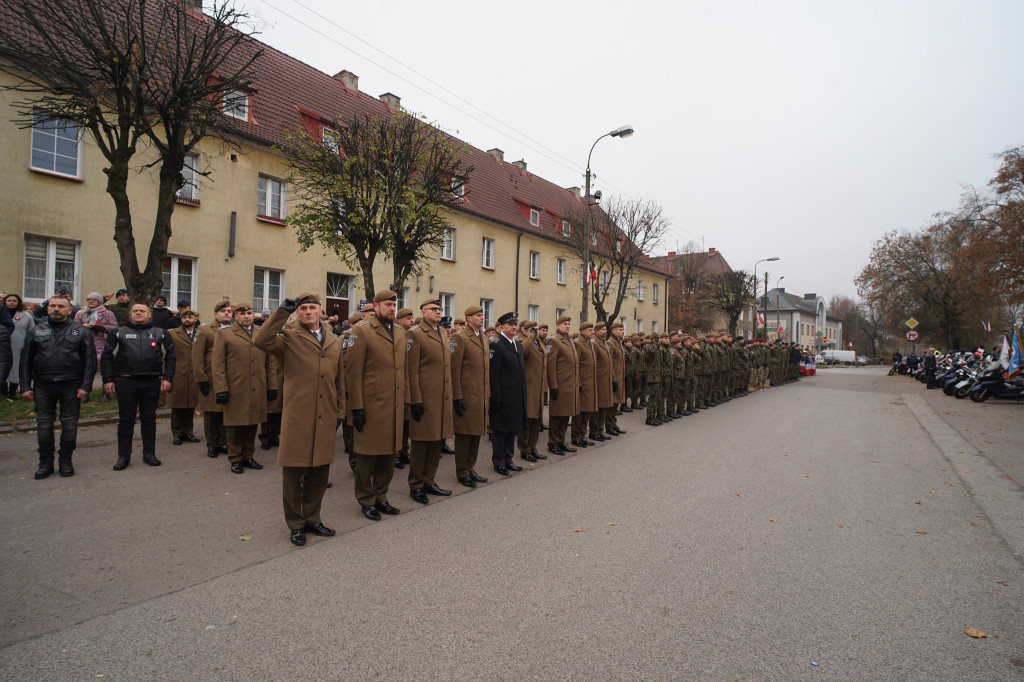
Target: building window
535,265
190,190
534,216
487,254
179,280
639,290
332,140
533,313
403,298
639,326
448,245
654,293
566,230
448,304
56,147
267,287
50,265
654,327
235,104
625,329
459,188
338,286
559,312
593,239
606,278
560,271
488,305
270,198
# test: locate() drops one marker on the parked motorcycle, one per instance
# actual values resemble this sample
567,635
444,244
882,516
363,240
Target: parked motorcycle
991,385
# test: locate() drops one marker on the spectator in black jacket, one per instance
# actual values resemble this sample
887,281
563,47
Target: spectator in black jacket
162,315
6,361
137,364
58,362
175,321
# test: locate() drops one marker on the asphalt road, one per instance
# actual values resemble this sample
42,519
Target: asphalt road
844,527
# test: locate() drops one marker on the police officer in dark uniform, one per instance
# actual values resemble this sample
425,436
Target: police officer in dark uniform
508,394
135,365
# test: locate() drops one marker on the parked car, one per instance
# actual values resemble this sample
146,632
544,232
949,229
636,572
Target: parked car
863,360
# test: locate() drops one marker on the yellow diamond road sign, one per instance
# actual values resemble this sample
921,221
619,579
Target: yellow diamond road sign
911,323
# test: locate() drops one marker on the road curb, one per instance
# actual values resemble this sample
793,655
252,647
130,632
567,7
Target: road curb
29,425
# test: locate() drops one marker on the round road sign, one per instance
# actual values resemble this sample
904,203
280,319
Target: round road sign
911,335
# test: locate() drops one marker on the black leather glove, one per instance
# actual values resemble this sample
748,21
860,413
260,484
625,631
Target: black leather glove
271,395
338,425
289,305
554,393
222,398
417,411
459,406
615,385
359,419
204,387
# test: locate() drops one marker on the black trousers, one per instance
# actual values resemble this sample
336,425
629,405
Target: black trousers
503,447
46,395
137,395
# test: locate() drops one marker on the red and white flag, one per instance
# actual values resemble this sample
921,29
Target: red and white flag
987,326
760,318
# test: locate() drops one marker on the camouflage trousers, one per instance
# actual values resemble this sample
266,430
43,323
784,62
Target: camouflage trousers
664,404
653,399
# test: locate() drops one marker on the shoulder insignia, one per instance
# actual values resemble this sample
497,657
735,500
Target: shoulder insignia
74,332
408,345
492,353
547,349
452,345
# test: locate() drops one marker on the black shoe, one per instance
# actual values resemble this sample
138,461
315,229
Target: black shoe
599,437
536,454
434,489
477,477
176,441
236,468
252,464
564,449
529,457
651,421
399,464
386,508
419,496
298,537
588,442
371,513
275,441
190,438
513,467
65,469
404,459
320,529
556,450
468,481
445,450
610,432
543,427
501,470
45,470
625,409
265,445
212,452
150,459
122,463
620,432
579,443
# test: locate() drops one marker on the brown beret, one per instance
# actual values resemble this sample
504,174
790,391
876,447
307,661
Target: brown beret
403,313
616,325
543,326
221,305
430,301
188,311
307,298
528,323
368,308
459,320
575,335
600,325
355,318
586,325
563,318
663,335
417,321
241,307
473,310
386,295
489,329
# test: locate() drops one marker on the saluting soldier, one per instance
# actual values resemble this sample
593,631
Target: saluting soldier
678,376
314,404
535,357
507,413
617,353
240,382
404,319
471,381
376,378
184,394
652,374
563,385
429,363
599,420
588,385
202,371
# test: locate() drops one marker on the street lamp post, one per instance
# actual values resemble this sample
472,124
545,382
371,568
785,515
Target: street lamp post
623,131
778,334
753,320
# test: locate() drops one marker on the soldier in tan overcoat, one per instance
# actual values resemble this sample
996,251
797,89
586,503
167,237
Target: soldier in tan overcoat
588,384
617,353
310,357
563,385
202,371
240,383
429,363
535,360
603,382
470,394
184,394
376,380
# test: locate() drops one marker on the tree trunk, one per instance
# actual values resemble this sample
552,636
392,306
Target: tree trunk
366,263
124,236
146,285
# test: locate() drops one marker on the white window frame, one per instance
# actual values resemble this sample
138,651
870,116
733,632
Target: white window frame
560,270
639,326
346,281
173,294
46,138
533,313
559,312
458,188
264,301
447,304
50,268
189,192
625,329
331,140
606,278
534,217
403,298
265,194
654,293
535,265
566,228
488,305
639,290
448,245
487,253
593,239
235,104
654,326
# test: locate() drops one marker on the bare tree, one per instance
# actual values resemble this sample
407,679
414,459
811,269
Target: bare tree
692,266
621,238
728,293
128,72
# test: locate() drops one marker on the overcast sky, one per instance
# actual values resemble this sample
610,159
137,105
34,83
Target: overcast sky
803,130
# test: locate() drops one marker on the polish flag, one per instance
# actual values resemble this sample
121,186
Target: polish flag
760,318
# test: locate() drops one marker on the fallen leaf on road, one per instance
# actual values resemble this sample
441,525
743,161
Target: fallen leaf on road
975,524
842,526
611,524
1003,583
806,476
974,632
771,520
22,459
245,538
579,530
922,532
931,492
918,502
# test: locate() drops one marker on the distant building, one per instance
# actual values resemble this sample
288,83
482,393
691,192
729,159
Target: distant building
689,273
801,319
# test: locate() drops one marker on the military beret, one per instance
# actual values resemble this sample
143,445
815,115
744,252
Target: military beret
242,307
575,335
543,326
472,310
307,297
563,318
188,311
586,325
488,330
663,335
417,321
600,325
430,301
121,291
403,313
355,318
459,320
528,323
221,305
509,318
386,295
616,325
368,308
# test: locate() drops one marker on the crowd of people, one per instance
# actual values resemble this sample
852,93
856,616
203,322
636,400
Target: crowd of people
400,386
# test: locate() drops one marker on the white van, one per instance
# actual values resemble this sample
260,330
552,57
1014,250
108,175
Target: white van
834,357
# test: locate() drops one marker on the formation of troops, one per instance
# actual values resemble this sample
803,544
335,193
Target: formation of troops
399,387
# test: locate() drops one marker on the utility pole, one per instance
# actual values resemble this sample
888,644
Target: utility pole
765,305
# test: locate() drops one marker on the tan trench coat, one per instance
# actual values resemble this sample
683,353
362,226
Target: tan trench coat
376,378
603,374
313,388
429,359
535,359
564,375
617,353
202,365
588,374
245,372
471,377
184,391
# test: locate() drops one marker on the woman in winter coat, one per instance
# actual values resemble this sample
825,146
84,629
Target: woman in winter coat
96,318
23,321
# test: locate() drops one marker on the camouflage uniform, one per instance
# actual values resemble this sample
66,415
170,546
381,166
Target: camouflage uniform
652,376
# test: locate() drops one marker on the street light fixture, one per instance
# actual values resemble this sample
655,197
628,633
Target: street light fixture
778,334
622,131
753,320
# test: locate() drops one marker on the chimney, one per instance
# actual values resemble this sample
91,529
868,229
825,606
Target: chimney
348,79
392,101
520,164
498,154
810,297
671,255
711,251
574,190
194,5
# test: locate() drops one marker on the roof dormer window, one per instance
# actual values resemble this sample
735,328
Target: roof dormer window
236,104
534,217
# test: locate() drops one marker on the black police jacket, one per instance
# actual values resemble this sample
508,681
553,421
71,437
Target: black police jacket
508,386
55,351
138,351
